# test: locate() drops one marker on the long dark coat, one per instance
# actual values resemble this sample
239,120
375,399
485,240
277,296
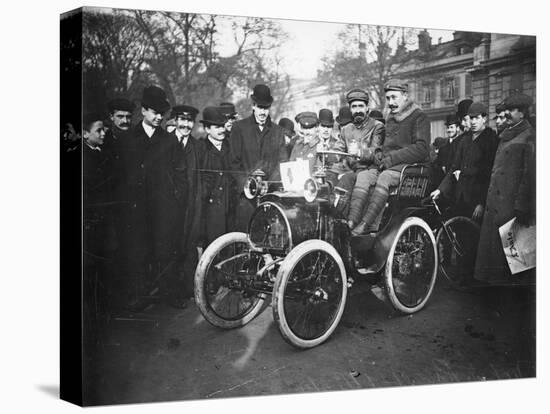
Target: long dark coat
219,194
512,187
253,149
474,159
97,200
152,190
189,204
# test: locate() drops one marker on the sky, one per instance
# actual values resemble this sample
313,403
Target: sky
308,42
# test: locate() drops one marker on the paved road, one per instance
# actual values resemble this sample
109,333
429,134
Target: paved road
168,354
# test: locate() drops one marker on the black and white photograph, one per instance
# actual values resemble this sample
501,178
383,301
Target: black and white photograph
298,207
245,216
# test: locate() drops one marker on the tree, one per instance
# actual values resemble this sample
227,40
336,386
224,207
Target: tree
126,50
369,57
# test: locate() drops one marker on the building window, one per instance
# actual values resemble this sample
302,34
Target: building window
426,93
449,88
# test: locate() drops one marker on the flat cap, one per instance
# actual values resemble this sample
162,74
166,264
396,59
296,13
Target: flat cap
519,100
357,95
185,111
396,85
120,104
307,119
477,108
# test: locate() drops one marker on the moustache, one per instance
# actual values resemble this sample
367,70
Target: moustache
358,117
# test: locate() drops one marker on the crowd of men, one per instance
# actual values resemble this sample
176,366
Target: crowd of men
154,198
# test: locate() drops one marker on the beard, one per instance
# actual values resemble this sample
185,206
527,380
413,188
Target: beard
358,117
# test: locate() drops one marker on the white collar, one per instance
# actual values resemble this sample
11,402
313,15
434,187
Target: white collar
149,130
92,148
216,143
181,138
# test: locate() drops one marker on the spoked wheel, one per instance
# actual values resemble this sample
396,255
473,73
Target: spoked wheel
309,294
222,288
457,242
411,267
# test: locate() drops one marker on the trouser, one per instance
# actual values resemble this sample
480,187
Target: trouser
365,180
346,182
387,179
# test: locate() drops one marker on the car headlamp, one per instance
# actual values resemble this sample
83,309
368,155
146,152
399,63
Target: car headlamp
251,188
310,190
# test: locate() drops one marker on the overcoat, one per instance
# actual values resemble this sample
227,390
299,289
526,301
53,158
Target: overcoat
474,160
219,194
407,137
189,202
369,135
511,187
152,191
251,149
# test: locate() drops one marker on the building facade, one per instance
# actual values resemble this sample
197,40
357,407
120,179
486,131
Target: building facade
485,67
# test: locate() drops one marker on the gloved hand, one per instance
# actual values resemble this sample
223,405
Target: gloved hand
522,217
385,163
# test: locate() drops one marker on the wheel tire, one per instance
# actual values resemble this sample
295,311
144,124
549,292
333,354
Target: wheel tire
288,311
466,234
211,303
408,292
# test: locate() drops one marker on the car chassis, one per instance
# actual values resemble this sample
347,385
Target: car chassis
299,250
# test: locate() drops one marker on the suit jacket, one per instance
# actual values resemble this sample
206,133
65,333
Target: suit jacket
253,149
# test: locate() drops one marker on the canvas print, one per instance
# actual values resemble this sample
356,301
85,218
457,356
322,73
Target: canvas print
276,206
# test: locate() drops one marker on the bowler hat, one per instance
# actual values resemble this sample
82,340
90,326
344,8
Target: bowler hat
211,115
228,109
344,116
452,119
396,85
185,111
376,114
519,101
326,118
357,95
261,95
307,119
120,104
155,98
287,124
477,108
462,109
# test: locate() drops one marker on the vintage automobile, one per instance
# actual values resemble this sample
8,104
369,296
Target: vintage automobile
299,250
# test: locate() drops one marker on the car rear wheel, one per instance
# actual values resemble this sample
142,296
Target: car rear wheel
411,266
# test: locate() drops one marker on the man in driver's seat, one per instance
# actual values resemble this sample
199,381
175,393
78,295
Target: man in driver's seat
407,142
